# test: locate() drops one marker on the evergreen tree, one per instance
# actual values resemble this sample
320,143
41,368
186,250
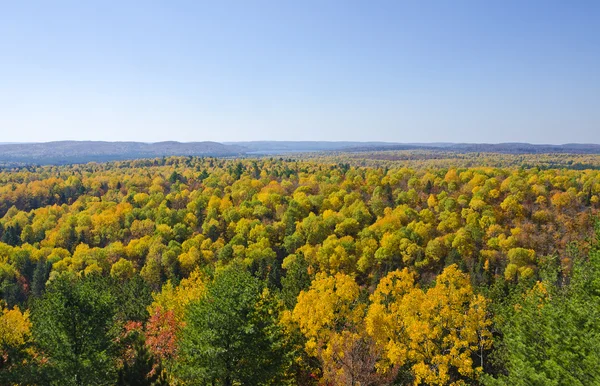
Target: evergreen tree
551,334
40,276
73,325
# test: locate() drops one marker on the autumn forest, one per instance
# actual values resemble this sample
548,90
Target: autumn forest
380,268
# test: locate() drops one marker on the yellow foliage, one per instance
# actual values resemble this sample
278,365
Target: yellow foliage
122,269
14,329
330,302
435,331
177,298
331,318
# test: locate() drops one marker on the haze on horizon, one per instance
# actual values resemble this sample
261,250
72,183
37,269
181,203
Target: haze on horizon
335,70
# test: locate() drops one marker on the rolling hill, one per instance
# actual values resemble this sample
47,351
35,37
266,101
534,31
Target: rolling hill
67,152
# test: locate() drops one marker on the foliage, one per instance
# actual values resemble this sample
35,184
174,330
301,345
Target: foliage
331,316
364,268
73,327
437,332
231,335
15,336
551,333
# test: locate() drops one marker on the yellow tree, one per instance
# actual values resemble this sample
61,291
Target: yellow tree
388,320
330,316
14,335
176,298
437,332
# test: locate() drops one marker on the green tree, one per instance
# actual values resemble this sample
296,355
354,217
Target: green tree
551,334
40,276
73,325
295,280
231,335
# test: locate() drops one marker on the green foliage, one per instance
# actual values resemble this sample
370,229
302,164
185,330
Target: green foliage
139,368
73,325
295,280
551,334
231,335
40,276
132,299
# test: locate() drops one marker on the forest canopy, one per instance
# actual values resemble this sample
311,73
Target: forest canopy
392,267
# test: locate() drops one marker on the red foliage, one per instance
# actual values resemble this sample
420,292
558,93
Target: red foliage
131,329
161,334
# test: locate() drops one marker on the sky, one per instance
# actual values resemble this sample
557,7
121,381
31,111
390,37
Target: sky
402,71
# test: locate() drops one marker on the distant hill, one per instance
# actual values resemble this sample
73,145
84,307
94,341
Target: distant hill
299,146
281,147
507,148
64,152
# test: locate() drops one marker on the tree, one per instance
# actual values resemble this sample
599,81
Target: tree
40,276
122,269
437,333
551,333
330,316
136,364
295,280
231,335
73,324
166,320
15,337
521,262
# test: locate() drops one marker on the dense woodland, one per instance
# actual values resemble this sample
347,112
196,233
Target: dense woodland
386,268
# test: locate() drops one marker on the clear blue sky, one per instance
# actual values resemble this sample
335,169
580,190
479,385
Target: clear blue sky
406,71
